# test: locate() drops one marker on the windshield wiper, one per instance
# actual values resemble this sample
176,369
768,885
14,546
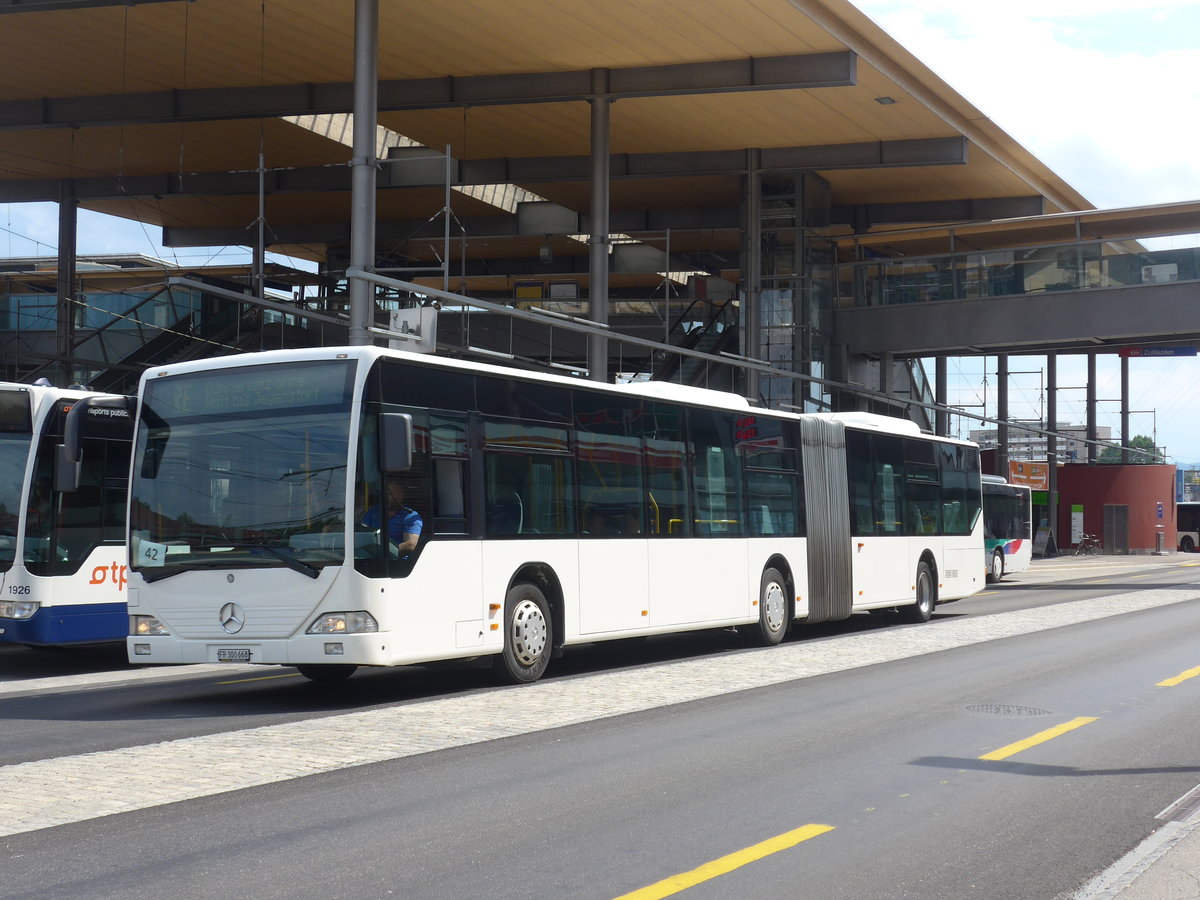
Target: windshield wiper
159,574
218,561
290,561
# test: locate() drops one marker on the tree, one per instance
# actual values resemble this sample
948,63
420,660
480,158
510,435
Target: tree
1139,442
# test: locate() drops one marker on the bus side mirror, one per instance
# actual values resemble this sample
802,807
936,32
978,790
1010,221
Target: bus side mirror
395,437
152,458
67,468
68,456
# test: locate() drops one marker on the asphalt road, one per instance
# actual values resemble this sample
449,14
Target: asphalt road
884,758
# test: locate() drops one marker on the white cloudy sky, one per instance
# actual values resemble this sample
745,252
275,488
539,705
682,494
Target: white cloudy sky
1105,92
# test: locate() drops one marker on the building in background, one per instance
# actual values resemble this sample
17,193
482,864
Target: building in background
1072,446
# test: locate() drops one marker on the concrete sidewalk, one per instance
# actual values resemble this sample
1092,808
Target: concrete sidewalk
1165,866
1067,568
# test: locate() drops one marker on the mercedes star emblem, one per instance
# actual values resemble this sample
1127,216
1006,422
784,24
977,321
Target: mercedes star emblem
232,617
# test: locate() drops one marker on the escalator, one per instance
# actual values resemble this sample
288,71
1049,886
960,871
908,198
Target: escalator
202,326
705,327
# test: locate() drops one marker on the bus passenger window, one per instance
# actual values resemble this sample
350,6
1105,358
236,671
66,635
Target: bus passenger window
450,509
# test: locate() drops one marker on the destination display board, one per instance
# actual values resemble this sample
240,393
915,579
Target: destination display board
252,389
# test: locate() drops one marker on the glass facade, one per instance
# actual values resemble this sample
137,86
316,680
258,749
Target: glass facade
798,289
1004,273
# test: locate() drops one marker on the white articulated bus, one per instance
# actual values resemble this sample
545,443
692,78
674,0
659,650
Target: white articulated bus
62,520
538,512
1007,527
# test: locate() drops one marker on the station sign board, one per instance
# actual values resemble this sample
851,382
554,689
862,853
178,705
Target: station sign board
1152,352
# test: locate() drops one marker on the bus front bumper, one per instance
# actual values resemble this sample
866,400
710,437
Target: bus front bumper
345,649
82,623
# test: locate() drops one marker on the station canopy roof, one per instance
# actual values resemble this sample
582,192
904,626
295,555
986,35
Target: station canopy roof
1109,226
157,111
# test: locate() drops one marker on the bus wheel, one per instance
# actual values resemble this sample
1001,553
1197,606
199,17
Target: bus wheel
996,568
772,608
527,635
923,608
325,673
1187,545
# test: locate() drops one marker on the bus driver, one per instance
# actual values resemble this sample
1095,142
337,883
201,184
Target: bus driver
404,523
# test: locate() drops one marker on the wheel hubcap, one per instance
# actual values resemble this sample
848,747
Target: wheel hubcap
773,606
924,594
529,633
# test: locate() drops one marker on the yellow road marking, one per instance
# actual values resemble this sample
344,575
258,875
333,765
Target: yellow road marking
736,860
1040,738
985,593
261,678
1180,678
1145,575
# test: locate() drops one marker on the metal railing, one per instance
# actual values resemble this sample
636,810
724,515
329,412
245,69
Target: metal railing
978,275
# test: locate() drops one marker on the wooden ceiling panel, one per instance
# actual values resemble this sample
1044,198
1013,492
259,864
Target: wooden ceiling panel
231,43
285,209
163,149
981,177
712,192
727,121
1110,225
484,37
417,203
488,132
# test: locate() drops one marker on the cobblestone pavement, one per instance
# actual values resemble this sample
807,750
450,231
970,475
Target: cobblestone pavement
49,792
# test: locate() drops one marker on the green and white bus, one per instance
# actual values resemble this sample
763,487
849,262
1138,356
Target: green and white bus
1007,527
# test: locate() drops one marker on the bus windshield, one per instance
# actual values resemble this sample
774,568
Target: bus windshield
1006,513
242,468
14,455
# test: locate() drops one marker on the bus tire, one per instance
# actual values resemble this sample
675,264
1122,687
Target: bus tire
1187,545
995,567
926,597
325,673
772,608
528,635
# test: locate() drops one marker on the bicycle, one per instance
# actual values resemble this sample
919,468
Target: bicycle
1089,545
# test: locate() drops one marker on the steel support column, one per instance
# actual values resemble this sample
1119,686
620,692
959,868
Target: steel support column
1002,415
598,239
940,378
362,167
752,337
1125,460
68,215
1091,409
260,243
1052,444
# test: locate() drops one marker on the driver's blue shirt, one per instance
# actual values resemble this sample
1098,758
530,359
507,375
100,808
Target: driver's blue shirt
403,521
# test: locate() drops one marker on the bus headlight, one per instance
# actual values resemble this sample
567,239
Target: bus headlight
356,622
141,626
18,609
